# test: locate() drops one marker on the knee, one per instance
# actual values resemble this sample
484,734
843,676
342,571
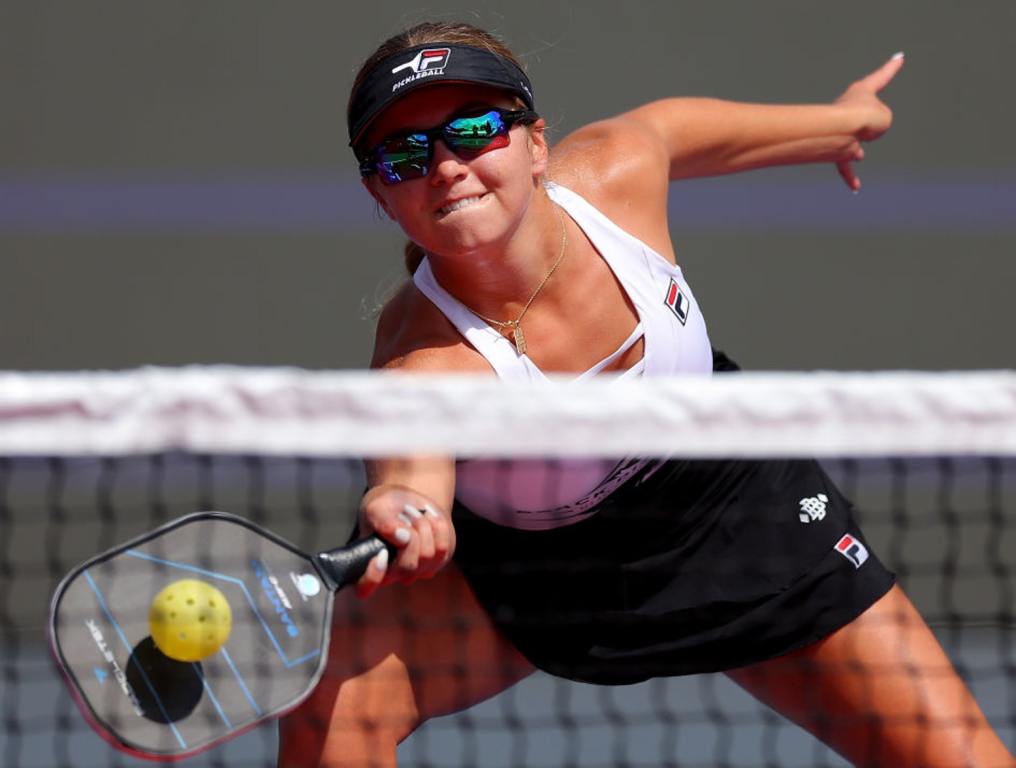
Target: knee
356,721
381,700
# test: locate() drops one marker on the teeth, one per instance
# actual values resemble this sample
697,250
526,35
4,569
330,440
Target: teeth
460,204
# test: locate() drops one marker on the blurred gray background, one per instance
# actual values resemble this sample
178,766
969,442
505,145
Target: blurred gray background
175,188
175,185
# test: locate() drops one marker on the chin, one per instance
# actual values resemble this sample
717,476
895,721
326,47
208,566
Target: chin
468,241
467,248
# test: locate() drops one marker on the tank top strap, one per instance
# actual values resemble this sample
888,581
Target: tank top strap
595,223
497,350
625,346
648,279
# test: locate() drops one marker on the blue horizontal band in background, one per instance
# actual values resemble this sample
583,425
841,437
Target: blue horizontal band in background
322,203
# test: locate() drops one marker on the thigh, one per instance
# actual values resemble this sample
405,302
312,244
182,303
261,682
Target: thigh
404,655
881,691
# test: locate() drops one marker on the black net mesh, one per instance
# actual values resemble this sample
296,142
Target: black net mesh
946,526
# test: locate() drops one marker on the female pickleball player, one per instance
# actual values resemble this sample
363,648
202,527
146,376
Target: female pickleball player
528,260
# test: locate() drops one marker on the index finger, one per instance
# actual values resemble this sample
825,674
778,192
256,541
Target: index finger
882,76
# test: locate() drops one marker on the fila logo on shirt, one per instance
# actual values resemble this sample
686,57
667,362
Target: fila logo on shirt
677,302
852,549
424,64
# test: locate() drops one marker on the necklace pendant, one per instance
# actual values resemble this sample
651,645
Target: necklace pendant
519,339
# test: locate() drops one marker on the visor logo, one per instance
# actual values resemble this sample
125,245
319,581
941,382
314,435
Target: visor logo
432,58
677,302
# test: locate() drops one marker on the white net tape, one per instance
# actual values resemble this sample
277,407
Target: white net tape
223,409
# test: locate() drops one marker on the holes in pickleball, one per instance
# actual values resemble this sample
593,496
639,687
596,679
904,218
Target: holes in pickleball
194,624
175,685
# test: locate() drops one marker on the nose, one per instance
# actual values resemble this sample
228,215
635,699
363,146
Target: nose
447,167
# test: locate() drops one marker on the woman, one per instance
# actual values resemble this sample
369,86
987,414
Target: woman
525,261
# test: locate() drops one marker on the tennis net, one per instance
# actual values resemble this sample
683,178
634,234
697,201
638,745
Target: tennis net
90,460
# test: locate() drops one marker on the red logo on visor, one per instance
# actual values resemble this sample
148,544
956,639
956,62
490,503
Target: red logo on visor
432,58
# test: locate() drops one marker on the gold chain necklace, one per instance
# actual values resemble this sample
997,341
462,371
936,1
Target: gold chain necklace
515,326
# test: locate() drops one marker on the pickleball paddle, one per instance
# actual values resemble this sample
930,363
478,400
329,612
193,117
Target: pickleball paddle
152,706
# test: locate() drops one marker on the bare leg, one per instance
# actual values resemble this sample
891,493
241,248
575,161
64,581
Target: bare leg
407,654
881,692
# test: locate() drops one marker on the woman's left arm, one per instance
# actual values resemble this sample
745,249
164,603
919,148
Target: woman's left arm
710,137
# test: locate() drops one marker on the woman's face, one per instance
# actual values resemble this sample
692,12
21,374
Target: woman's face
463,206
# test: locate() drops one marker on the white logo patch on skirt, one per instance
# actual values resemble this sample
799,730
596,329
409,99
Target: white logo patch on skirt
852,549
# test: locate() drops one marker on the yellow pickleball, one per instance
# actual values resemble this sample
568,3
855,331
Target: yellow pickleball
189,620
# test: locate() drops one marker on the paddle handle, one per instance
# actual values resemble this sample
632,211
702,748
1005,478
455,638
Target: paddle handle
345,565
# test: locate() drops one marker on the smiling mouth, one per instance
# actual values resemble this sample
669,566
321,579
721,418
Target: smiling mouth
458,205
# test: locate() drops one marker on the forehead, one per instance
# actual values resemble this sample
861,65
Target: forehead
427,107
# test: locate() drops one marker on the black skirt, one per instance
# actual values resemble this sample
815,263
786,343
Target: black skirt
692,566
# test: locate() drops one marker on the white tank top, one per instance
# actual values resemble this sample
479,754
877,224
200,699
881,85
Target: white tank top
540,494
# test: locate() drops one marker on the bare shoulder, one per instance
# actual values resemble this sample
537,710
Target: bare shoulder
413,335
619,156
621,168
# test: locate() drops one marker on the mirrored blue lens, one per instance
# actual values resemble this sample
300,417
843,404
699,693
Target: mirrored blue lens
400,158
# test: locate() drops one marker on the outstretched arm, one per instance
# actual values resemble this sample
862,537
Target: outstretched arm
710,137
409,498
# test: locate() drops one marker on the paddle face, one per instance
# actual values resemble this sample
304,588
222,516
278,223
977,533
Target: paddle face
152,706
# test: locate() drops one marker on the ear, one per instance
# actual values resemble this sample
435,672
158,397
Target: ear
539,150
371,186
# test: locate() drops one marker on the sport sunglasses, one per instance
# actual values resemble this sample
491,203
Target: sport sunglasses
409,156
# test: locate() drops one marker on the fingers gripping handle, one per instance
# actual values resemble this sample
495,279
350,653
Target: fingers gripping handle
347,564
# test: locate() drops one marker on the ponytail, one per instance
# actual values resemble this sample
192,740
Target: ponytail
413,255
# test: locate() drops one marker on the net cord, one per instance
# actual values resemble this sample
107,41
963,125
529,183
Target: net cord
286,411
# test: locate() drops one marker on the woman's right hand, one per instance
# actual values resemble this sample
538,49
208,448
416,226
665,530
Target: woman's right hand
412,523
873,116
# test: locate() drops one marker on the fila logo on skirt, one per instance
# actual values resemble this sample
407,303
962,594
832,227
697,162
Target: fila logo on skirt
852,549
677,302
